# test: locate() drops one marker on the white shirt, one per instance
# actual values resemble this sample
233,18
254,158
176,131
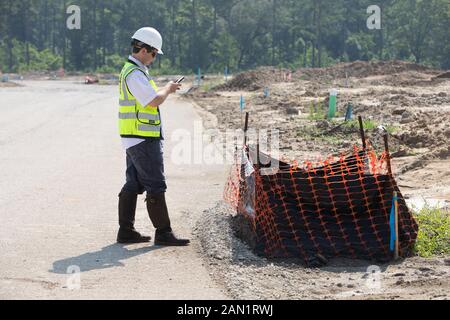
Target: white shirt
141,89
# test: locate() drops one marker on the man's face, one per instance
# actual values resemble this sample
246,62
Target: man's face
148,56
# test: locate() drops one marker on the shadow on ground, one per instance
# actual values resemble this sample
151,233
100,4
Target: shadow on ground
107,257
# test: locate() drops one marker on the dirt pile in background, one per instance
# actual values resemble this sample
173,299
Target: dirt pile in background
361,69
411,101
255,79
264,76
445,75
428,130
9,84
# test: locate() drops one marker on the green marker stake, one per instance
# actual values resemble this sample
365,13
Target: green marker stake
332,107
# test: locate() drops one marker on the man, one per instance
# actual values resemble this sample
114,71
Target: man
142,138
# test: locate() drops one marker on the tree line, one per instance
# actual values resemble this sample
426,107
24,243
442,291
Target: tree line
214,34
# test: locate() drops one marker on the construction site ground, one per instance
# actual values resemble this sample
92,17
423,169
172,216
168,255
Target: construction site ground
63,166
411,101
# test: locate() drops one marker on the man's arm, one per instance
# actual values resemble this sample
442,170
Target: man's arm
163,93
141,89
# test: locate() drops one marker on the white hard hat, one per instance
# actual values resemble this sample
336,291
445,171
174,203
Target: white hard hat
149,36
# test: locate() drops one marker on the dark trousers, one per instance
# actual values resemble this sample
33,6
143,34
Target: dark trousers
145,168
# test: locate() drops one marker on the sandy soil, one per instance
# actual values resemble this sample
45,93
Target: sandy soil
411,100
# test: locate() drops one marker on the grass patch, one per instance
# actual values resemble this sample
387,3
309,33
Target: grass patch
313,133
304,77
391,129
317,112
368,124
208,85
434,232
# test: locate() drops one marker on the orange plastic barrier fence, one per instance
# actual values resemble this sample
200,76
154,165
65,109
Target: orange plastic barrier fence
334,207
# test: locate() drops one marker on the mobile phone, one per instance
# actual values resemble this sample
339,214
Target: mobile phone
180,80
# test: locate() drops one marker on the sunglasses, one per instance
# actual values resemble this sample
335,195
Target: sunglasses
149,49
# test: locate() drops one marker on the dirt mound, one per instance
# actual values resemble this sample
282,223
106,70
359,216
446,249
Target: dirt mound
411,101
9,84
255,79
264,76
428,130
445,75
361,69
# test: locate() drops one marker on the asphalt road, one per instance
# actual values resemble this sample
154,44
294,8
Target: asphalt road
61,168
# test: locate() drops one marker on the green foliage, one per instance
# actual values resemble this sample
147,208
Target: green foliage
317,111
313,133
212,34
360,46
114,64
434,232
368,124
211,84
224,51
166,69
43,60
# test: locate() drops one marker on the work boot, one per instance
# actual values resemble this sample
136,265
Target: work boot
159,215
127,212
167,238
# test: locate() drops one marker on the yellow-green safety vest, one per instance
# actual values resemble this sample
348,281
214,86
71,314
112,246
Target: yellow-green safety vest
136,120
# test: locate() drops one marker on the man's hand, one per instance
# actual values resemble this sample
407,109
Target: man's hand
163,93
173,87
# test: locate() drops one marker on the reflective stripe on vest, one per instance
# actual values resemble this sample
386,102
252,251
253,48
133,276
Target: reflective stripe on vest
143,127
136,120
132,115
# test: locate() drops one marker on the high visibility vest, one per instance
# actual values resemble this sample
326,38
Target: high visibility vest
136,120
